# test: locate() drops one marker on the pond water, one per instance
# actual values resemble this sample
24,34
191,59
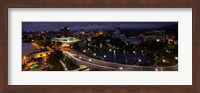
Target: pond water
119,56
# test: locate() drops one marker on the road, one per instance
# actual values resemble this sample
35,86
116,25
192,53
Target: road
63,64
81,59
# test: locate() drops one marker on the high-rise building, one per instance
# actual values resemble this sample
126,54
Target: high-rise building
65,31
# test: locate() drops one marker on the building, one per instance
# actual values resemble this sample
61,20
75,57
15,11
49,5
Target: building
29,52
123,38
117,33
65,31
65,40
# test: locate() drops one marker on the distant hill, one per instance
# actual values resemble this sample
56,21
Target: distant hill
174,26
171,29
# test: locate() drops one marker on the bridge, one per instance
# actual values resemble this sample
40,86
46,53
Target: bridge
81,59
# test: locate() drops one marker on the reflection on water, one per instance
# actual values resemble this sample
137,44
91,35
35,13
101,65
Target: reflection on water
118,56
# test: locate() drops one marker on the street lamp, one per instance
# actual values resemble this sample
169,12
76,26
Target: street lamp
84,51
114,54
24,59
80,57
95,54
120,68
176,58
164,60
104,56
90,60
156,69
158,40
139,60
168,51
110,49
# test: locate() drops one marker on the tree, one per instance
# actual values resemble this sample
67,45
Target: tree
70,65
53,61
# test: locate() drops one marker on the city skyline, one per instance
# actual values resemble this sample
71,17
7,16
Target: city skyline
100,46
75,26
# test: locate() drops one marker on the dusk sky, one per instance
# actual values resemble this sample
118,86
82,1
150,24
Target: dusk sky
75,26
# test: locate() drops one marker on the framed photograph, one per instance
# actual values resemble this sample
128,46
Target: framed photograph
100,46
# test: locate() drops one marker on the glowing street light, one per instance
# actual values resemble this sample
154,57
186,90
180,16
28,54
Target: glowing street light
84,51
95,54
80,57
25,59
156,69
134,52
110,49
90,60
120,68
176,58
168,51
104,56
139,60
158,40
164,60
